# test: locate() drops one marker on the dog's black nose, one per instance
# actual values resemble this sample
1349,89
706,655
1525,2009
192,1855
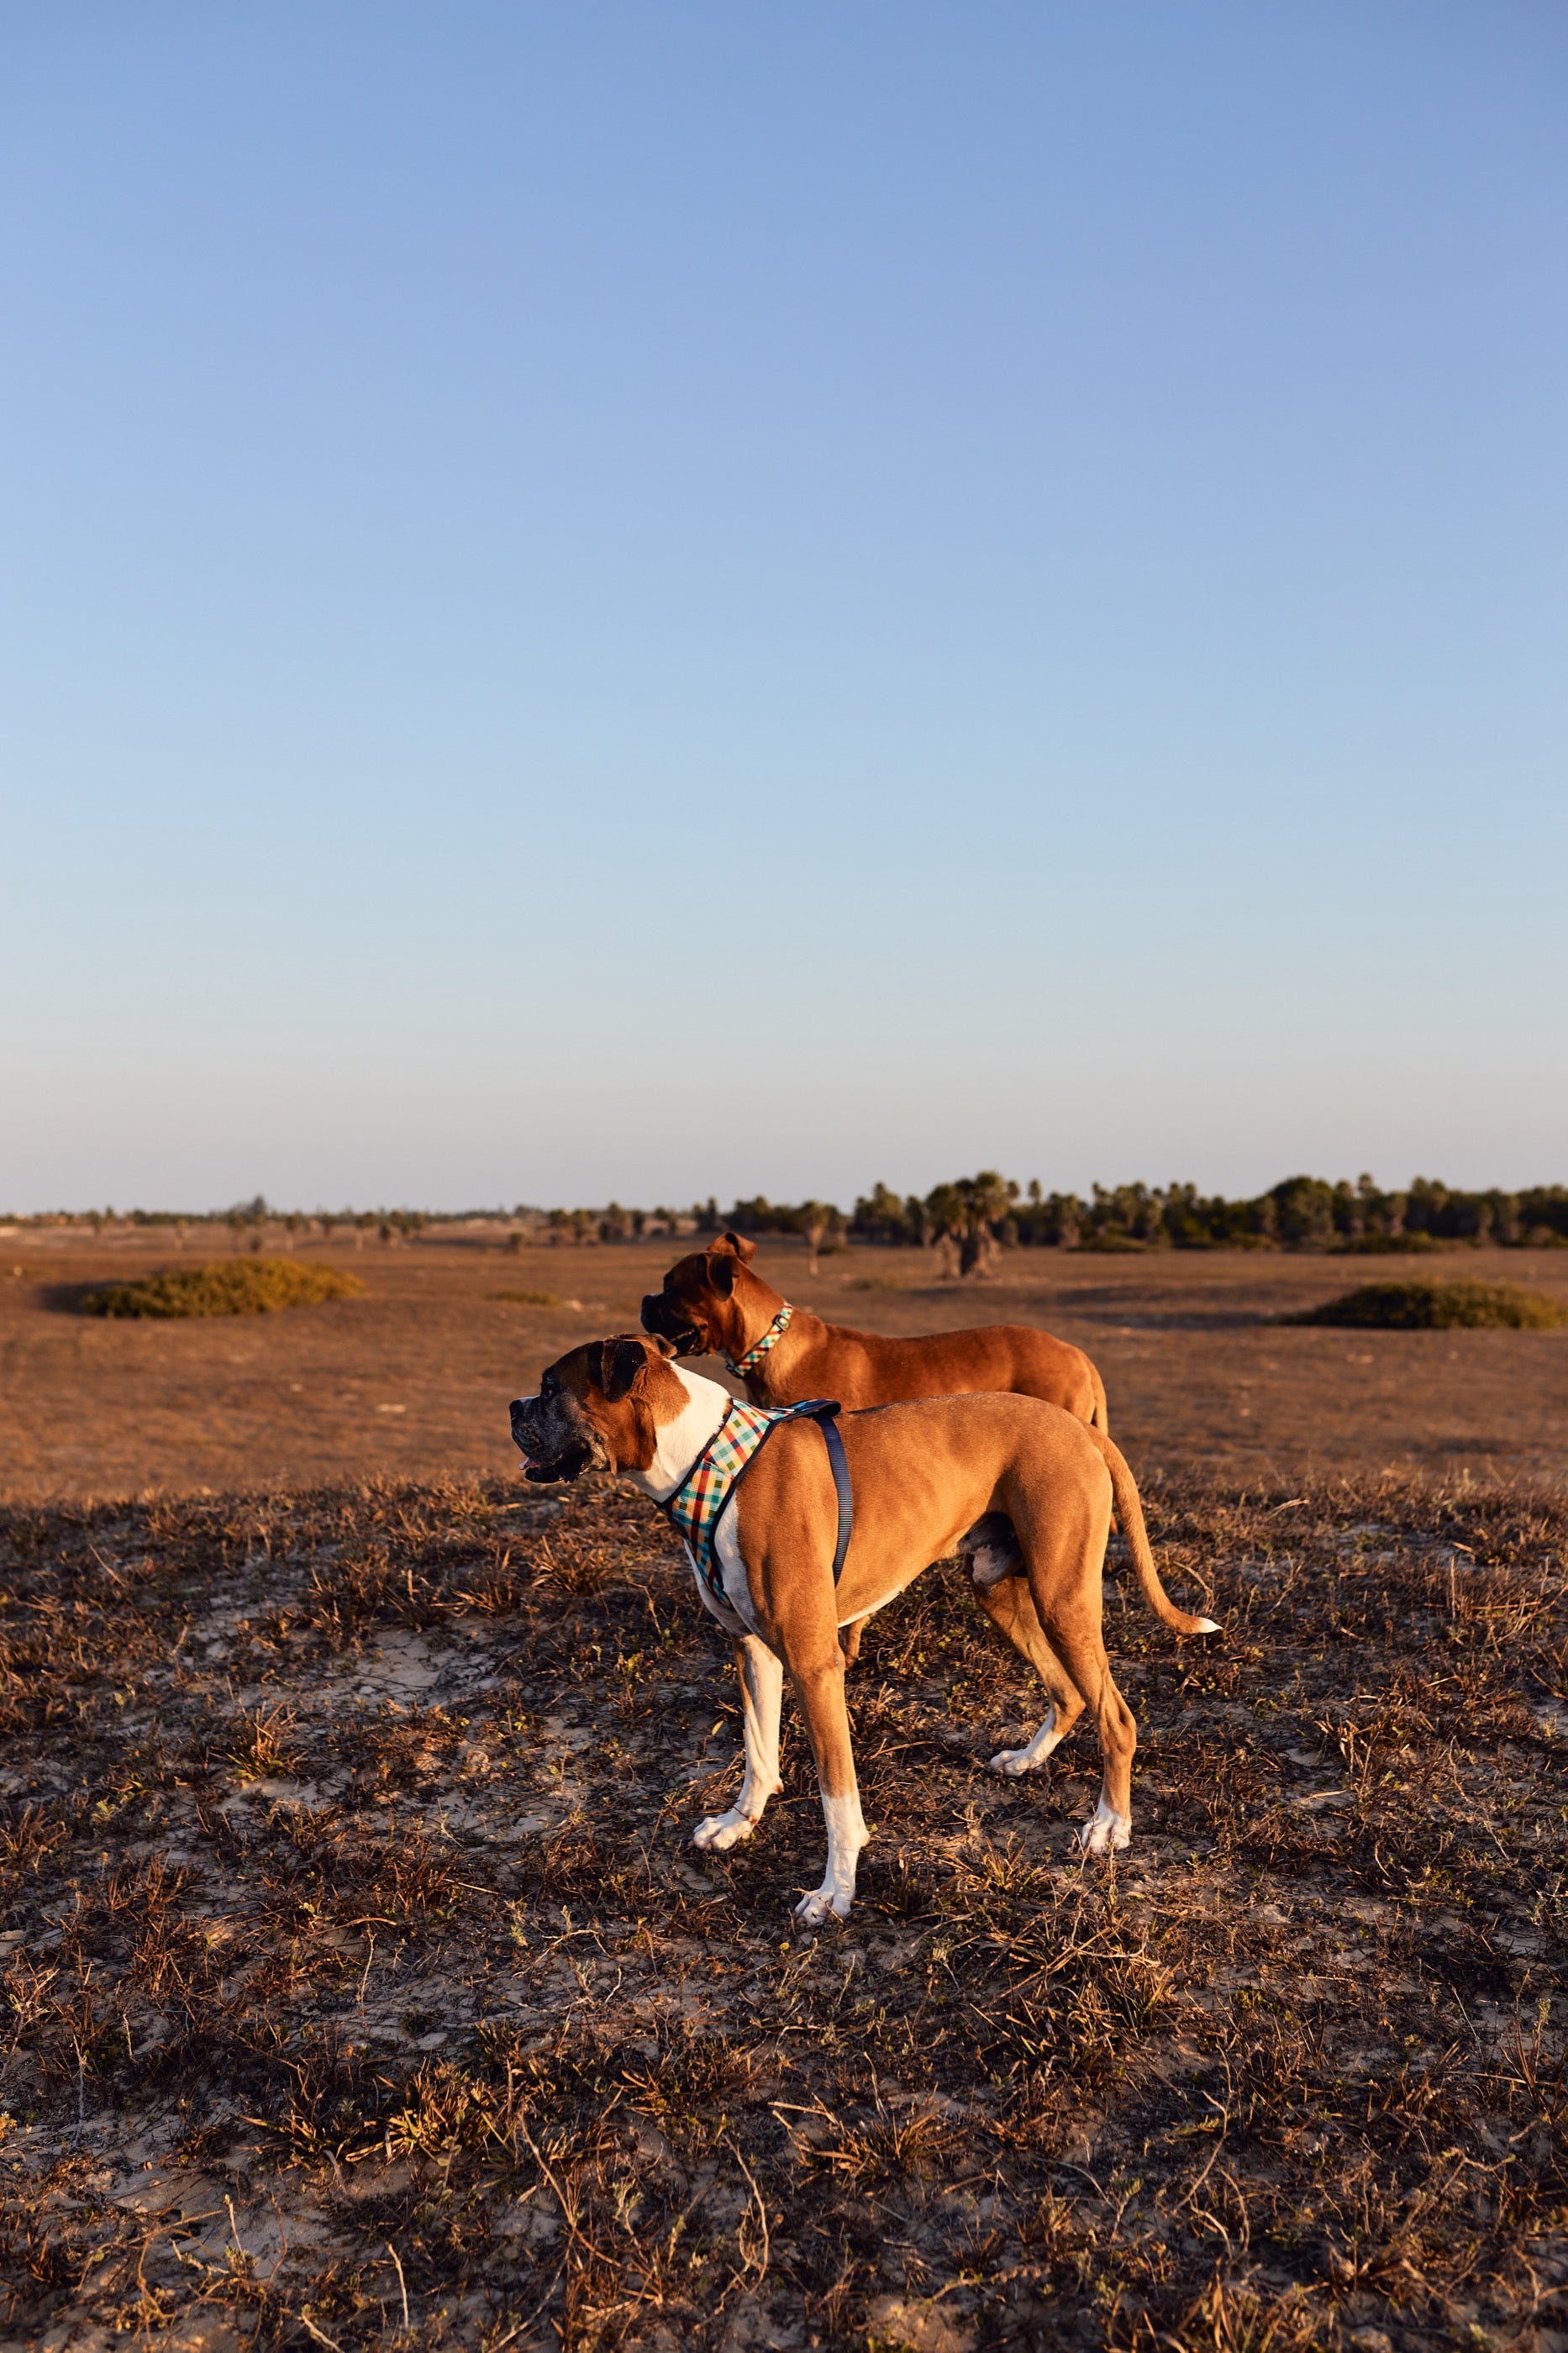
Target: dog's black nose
653,1302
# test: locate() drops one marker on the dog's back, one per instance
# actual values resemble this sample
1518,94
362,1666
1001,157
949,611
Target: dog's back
713,1300
884,1369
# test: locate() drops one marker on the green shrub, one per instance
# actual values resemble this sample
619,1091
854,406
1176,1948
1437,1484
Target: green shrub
253,1286
1439,1307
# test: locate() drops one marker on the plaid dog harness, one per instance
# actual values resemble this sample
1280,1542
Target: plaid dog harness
759,1349
695,1506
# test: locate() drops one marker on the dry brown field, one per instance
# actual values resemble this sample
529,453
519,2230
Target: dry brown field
360,1988
412,1382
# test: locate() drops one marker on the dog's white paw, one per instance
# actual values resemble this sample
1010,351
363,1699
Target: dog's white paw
1029,1760
718,1833
825,1902
1106,1831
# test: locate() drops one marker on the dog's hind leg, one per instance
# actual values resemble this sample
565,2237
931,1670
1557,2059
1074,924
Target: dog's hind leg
762,1690
1063,1530
1075,1635
1010,1606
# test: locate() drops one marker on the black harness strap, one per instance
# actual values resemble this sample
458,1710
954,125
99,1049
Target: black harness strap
826,1417
838,1461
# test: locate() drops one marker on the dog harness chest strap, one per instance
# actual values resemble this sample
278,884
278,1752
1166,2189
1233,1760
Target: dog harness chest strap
759,1348
695,1507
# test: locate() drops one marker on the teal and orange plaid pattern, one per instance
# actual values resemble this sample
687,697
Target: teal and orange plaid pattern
759,1348
695,1506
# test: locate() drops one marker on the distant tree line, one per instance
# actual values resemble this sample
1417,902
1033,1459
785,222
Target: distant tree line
1301,1213
249,1224
969,1220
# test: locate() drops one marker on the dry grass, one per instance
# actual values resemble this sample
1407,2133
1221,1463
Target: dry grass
1439,1307
354,1952
241,1286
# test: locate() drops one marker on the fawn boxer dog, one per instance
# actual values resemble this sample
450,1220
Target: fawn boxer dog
714,1304
1020,1485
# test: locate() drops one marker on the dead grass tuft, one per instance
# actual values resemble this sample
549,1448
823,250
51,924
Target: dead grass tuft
266,1748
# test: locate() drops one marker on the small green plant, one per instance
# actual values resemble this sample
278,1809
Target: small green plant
254,1286
526,1298
1439,1307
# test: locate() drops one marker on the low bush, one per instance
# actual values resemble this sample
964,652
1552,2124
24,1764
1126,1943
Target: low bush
1439,1307
245,1286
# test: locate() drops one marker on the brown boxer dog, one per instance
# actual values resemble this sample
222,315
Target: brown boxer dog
1025,1487
714,1304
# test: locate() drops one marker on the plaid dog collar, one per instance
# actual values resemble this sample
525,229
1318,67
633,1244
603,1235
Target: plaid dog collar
759,1349
695,1506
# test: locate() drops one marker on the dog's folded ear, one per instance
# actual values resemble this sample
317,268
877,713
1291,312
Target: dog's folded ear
666,1347
619,1363
736,1246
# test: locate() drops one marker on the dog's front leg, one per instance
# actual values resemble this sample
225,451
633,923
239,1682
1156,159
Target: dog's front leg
820,1690
762,1690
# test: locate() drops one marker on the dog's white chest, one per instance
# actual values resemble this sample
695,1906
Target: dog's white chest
734,1613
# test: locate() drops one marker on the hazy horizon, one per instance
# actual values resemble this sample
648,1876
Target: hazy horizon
621,603
683,1205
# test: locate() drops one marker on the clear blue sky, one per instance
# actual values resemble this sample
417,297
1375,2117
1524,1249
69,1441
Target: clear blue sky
655,599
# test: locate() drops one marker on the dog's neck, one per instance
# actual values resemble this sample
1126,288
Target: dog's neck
759,1311
679,1441
773,1371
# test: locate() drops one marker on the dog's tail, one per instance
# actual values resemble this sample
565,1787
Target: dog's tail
1130,1514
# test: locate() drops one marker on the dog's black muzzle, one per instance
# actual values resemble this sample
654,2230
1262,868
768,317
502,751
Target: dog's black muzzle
665,1319
568,1460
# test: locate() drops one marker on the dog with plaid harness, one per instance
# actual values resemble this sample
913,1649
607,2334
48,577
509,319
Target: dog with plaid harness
715,1302
766,1504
